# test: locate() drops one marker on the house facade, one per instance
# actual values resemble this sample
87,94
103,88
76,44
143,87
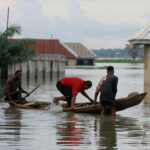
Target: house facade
75,53
85,57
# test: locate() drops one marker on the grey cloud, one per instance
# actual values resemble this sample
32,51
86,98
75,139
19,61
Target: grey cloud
36,25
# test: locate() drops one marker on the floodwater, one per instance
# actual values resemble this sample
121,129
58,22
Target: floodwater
22,129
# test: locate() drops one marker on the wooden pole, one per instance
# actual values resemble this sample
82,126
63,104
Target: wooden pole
7,18
33,90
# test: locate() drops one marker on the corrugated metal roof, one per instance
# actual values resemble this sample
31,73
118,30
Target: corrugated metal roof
144,33
51,46
142,37
80,49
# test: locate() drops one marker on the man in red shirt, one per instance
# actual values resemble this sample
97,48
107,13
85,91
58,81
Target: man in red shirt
70,87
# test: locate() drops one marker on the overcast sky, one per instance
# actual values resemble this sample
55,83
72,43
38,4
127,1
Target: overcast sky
95,23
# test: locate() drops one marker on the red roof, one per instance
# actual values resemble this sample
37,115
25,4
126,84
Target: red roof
46,46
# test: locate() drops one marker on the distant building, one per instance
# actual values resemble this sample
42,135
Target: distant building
84,55
75,53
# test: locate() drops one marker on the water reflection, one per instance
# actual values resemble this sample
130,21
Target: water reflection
108,137
130,132
10,129
72,132
146,125
35,130
111,132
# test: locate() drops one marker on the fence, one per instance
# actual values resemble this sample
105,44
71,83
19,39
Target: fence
40,64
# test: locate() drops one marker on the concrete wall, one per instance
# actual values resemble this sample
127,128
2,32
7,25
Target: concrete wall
54,66
147,72
38,67
61,66
24,67
47,66
71,62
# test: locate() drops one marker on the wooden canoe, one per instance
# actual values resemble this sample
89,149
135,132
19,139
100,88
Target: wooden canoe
34,105
131,100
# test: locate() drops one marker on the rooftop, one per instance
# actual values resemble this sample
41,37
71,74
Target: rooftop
142,37
80,49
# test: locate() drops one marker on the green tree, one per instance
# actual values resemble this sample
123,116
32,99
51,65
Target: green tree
13,51
132,50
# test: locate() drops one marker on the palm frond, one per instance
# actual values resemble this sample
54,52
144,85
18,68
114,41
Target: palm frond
11,31
14,51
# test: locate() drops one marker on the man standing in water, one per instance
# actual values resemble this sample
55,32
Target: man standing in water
108,88
14,89
70,87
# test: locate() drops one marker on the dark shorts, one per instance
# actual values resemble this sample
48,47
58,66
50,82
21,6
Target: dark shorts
13,96
66,91
111,103
17,98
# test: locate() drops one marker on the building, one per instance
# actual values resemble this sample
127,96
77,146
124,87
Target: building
50,58
84,55
46,46
75,53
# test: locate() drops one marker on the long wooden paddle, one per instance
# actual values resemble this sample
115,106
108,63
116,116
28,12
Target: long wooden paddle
33,90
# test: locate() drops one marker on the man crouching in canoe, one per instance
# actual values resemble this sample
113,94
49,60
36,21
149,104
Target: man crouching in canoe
108,88
70,87
14,89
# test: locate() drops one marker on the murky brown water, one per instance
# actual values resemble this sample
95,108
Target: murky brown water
39,130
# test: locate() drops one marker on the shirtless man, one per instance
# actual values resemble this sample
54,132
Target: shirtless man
14,89
108,88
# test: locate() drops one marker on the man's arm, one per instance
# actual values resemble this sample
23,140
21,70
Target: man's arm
86,95
22,90
96,94
98,89
95,97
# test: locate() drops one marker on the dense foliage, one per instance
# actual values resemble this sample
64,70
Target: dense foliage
127,52
13,51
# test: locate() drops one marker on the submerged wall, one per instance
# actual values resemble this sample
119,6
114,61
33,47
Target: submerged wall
39,69
42,64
